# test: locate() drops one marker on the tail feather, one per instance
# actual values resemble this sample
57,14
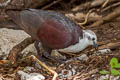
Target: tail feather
14,15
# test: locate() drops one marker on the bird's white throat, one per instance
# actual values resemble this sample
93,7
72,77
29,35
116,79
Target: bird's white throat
82,44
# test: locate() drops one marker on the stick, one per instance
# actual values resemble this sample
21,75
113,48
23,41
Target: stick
111,6
9,24
54,2
110,45
110,17
45,66
86,18
105,3
18,48
4,61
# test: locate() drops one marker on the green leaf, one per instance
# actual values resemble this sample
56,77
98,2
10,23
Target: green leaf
113,62
117,65
104,72
115,72
105,79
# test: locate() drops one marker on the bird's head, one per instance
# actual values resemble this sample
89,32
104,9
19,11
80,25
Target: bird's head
91,38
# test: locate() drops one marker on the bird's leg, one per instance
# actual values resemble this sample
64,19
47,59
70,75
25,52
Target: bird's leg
16,50
47,55
45,66
36,44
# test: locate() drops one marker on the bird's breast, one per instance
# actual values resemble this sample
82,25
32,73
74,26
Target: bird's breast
54,35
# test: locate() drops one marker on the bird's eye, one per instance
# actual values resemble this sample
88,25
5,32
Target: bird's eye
93,39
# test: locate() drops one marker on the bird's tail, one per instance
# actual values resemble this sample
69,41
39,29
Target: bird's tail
14,14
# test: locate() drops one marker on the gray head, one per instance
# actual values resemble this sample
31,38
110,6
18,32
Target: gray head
90,37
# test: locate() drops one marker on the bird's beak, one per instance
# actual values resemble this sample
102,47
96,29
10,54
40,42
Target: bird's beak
95,45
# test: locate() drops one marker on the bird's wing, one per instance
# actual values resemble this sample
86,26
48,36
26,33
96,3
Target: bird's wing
66,31
27,20
53,29
54,35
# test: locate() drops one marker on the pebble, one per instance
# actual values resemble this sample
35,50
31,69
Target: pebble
30,76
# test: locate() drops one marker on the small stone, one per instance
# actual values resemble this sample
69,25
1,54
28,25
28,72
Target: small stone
28,68
102,51
111,77
65,73
83,57
31,76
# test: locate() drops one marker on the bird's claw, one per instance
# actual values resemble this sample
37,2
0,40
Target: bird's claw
59,60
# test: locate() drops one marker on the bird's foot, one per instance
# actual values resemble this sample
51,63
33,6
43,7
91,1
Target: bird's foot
47,55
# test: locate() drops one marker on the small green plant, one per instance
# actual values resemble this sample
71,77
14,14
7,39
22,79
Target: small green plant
114,65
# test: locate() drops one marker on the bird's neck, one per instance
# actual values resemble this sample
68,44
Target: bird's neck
83,43
77,34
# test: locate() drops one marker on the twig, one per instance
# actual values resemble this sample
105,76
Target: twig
96,3
92,4
54,2
109,7
89,5
110,45
113,45
81,6
86,18
107,18
85,75
109,76
45,66
18,48
105,3
9,24
105,45
4,61
79,16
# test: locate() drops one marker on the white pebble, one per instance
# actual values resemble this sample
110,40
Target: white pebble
31,76
103,51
